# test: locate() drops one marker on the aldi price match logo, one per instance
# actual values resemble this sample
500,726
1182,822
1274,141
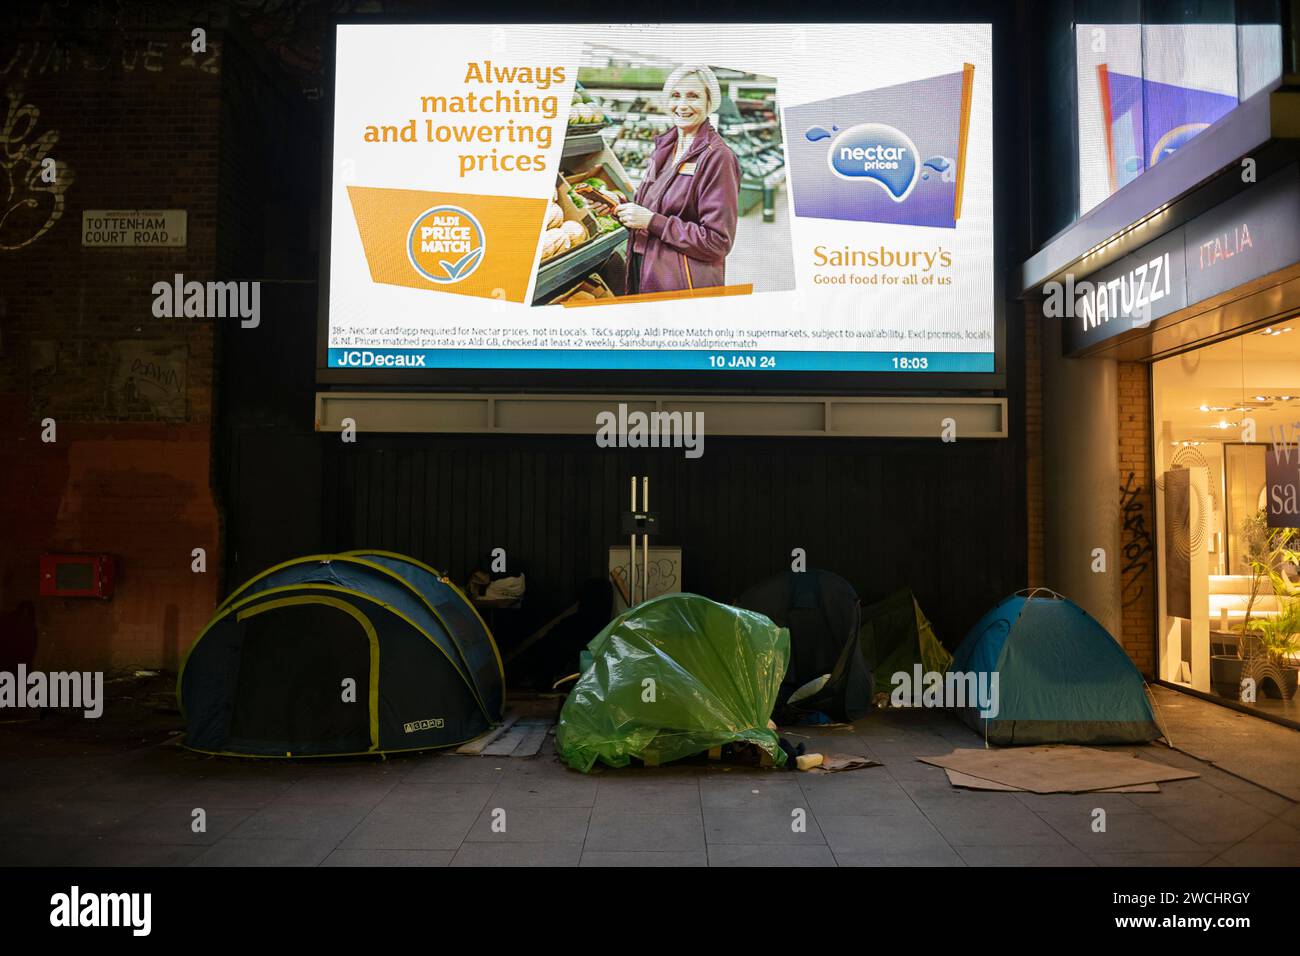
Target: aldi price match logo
445,244
438,242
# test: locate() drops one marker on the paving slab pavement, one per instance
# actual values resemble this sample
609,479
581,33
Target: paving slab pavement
115,802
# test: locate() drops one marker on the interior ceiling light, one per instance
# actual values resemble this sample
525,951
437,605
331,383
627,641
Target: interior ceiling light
1273,331
1261,398
1217,408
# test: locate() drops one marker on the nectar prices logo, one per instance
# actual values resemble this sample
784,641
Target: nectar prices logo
445,244
877,153
895,154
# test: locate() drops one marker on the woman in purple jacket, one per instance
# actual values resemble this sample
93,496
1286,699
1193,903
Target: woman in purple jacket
683,217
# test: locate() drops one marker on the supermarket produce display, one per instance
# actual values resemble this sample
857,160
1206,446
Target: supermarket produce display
754,132
582,245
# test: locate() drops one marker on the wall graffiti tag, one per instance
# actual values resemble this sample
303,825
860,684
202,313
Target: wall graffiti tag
1136,540
44,57
148,381
31,192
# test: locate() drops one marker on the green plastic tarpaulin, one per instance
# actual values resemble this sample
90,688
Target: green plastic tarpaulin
674,677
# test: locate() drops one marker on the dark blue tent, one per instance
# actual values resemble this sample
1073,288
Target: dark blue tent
1061,677
821,610
458,617
366,652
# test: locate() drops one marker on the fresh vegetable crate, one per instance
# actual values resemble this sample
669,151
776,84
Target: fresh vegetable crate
593,285
574,214
602,165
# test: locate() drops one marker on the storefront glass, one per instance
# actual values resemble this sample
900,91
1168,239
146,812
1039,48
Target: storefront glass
1226,419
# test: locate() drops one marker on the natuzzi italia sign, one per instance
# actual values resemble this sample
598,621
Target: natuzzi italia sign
1250,235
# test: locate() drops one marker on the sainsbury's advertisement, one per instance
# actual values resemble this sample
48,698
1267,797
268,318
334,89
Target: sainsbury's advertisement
807,198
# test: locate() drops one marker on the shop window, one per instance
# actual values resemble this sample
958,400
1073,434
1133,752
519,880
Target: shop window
1226,431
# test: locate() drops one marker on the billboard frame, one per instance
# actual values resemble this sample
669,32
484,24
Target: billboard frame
621,381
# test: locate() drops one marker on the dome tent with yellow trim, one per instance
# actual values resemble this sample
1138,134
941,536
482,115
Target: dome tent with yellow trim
341,654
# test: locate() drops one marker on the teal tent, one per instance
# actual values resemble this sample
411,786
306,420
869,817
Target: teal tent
1061,677
340,654
672,677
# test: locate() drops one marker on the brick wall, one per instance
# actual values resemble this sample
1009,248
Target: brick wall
1034,444
132,119
1137,516
135,118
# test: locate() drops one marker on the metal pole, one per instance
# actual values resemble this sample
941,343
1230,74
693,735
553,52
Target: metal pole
645,541
631,551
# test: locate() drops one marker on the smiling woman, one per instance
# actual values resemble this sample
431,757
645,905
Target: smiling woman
683,217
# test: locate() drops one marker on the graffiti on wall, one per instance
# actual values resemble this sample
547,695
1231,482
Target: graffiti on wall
148,381
32,190
46,57
1135,539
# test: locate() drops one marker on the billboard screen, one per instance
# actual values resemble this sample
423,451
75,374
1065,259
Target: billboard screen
1146,90
702,198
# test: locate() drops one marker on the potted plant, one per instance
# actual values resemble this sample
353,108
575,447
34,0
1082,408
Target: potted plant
1266,552
1225,674
1279,639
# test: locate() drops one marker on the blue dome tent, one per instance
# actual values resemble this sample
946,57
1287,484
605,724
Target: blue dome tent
1061,677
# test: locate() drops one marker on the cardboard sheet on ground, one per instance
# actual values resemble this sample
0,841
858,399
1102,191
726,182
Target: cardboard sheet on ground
967,782
1057,769
838,763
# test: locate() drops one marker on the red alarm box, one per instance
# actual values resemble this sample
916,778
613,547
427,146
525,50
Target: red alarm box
78,575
